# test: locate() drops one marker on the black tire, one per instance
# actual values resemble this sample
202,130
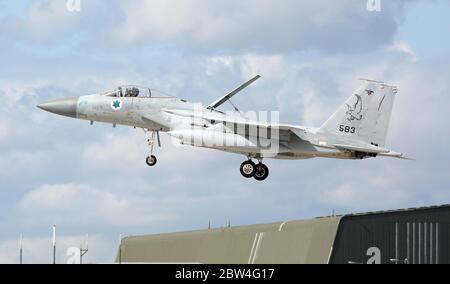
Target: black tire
248,169
261,172
151,160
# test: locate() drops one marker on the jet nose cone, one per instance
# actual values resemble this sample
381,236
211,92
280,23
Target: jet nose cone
65,107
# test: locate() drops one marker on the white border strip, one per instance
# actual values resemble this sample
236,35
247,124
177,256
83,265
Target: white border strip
258,244
281,226
253,248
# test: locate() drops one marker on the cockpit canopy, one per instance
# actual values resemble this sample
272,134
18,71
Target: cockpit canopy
129,91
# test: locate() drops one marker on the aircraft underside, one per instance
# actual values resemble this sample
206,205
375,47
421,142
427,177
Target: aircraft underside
258,170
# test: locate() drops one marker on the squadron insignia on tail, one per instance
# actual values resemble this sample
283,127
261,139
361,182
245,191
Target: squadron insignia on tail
354,112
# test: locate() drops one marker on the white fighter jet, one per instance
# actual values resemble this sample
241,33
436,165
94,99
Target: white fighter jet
357,130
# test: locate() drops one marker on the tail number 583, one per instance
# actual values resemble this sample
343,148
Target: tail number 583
347,129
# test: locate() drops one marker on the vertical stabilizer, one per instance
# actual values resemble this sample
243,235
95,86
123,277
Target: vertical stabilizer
365,116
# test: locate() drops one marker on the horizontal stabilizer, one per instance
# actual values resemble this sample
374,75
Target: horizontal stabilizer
395,155
372,149
365,149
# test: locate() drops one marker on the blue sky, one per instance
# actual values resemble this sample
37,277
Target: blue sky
93,179
425,26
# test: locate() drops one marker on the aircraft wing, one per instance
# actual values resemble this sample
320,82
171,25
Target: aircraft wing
218,117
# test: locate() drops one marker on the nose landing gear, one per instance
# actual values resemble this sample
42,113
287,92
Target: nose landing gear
151,159
258,171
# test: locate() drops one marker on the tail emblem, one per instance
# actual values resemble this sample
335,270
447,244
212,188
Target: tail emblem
354,111
369,92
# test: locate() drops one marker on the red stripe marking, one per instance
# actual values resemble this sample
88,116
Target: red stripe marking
382,100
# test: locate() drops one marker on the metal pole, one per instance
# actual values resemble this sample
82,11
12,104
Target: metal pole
420,244
437,243
414,243
120,254
83,251
431,243
20,248
407,243
425,244
120,249
54,244
396,243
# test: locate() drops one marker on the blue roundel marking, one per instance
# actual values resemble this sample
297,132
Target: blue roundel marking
116,104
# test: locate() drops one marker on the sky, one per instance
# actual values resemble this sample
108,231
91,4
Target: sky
93,179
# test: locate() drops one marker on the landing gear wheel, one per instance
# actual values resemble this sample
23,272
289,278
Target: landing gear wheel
261,172
151,160
248,169
154,137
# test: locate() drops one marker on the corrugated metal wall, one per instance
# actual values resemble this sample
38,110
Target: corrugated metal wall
419,236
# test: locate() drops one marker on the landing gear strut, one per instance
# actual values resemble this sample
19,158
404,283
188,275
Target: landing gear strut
251,170
151,159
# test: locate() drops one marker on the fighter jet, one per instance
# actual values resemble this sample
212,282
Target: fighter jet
357,130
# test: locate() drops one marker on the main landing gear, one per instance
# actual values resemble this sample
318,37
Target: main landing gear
151,159
251,170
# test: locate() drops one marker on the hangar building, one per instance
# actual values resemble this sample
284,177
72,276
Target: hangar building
413,236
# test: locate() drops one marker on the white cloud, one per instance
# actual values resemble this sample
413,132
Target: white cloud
315,110
118,152
40,249
404,48
45,20
272,66
78,204
13,92
21,160
4,131
44,17
123,151
369,189
216,64
260,25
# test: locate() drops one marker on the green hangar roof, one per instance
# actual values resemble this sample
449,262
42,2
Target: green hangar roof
307,241
414,235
